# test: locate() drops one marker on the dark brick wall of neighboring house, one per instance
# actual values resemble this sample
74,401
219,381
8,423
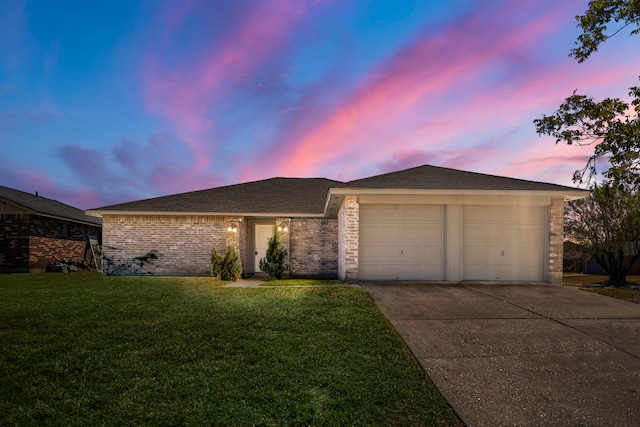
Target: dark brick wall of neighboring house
14,243
313,248
51,240
29,242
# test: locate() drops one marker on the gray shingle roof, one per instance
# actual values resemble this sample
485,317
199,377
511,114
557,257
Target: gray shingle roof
439,178
307,196
48,207
269,196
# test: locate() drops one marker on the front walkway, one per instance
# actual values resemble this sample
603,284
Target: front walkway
522,355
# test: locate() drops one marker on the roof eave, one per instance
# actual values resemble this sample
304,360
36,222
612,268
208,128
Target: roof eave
62,218
568,194
101,213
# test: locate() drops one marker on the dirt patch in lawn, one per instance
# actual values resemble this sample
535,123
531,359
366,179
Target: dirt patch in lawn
593,279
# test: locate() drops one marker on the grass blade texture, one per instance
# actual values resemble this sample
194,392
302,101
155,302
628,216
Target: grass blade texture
80,349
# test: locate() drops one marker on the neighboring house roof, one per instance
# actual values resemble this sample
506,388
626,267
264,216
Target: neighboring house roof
320,196
38,205
290,196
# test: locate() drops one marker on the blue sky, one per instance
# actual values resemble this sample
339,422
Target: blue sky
107,102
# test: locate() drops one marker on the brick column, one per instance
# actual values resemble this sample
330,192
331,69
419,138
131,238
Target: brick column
556,236
232,237
348,237
285,224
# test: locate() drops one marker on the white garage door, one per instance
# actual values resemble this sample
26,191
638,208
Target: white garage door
401,242
502,243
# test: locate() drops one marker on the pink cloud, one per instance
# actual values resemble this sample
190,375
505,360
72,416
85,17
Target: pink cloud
409,93
187,93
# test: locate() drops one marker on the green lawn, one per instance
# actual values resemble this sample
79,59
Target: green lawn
80,349
588,282
302,282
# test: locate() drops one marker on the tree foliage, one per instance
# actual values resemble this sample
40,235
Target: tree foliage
611,125
594,24
606,225
274,262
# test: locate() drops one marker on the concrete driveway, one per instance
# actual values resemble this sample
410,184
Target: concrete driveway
522,355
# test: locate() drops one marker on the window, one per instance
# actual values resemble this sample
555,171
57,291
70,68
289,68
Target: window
64,230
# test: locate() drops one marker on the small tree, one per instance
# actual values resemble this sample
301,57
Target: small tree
226,267
274,262
607,226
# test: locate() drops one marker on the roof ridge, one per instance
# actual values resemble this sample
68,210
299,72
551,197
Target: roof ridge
460,171
36,196
44,205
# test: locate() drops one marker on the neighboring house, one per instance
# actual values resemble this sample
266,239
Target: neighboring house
425,223
576,261
35,231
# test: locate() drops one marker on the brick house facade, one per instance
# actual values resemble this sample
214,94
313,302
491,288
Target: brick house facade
420,219
36,231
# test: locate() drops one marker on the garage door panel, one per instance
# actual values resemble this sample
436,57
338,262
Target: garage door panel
503,243
527,273
478,254
401,242
391,233
422,214
369,215
391,215
381,271
381,253
371,233
482,271
434,233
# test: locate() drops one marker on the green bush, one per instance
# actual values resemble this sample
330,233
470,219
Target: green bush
226,267
273,263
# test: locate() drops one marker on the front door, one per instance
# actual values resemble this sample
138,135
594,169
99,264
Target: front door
262,233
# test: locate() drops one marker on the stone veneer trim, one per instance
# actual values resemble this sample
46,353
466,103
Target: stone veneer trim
348,238
556,236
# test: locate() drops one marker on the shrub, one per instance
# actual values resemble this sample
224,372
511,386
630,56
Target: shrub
226,267
273,263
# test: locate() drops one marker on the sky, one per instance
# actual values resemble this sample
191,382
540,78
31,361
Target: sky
114,101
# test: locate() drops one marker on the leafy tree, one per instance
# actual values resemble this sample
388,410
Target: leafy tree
607,227
609,125
612,125
624,13
607,224
226,267
274,262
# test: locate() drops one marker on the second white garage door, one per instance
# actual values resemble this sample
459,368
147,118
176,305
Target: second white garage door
503,243
401,242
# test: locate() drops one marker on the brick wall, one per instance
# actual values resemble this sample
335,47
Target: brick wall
14,243
183,243
29,242
243,245
313,248
556,232
45,250
46,244
348,238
